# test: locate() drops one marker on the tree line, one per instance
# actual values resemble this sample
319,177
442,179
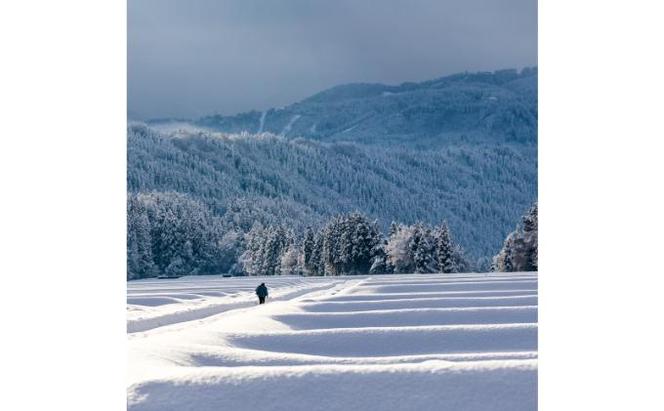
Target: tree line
172,234
519,252
352,244
478,188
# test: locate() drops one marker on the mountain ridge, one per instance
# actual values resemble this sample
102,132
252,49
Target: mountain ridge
461,148
500,105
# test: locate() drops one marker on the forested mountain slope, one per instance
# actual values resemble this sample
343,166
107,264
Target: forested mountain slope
461,148
481,107
480,189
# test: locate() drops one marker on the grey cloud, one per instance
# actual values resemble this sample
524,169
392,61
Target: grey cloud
193,57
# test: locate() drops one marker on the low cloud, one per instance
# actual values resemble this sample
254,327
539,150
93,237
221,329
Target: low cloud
188,58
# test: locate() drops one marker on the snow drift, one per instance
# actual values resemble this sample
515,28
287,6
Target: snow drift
425,342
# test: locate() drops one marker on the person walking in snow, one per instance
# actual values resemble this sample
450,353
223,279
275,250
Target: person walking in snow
261,292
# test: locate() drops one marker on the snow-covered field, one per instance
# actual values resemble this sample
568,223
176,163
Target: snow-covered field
155,303
397,342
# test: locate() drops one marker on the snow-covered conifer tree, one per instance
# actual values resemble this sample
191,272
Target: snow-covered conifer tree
252,258
519,252
139,241
530,238
349,244
445,250
422,249
291,261
308,250
461,262
317,263
381,263
273,248
394,227
398,250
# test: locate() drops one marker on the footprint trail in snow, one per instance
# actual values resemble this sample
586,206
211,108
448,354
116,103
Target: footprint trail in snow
397,342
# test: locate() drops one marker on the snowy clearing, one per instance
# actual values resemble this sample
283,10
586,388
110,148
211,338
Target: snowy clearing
261,124
397,342
289,126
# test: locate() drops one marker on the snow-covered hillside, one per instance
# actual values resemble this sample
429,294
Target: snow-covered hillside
397,342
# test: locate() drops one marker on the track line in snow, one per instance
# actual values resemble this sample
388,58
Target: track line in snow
438,294
241,357
288,127
439,302
261,122
411,317
429,342
406,340
198,313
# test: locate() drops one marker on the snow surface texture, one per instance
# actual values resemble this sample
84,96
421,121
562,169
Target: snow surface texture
398,342
154,303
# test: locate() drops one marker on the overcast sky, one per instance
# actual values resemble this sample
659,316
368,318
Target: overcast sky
188,58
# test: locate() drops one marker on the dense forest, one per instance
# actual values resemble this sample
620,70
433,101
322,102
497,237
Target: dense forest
461,149
479,190
168,233
171,234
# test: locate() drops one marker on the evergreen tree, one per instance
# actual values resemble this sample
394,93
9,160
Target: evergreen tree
398,250
530,238
445,250
349,244
519,252
529,220
273,247
308,249
381,263
291,261
139,242
508,259
394,228
422,249
251,259
231,245
317,263
461,262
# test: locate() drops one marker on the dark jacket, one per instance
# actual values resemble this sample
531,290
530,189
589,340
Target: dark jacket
261,291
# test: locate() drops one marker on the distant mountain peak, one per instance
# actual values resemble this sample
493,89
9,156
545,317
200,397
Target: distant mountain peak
499,106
